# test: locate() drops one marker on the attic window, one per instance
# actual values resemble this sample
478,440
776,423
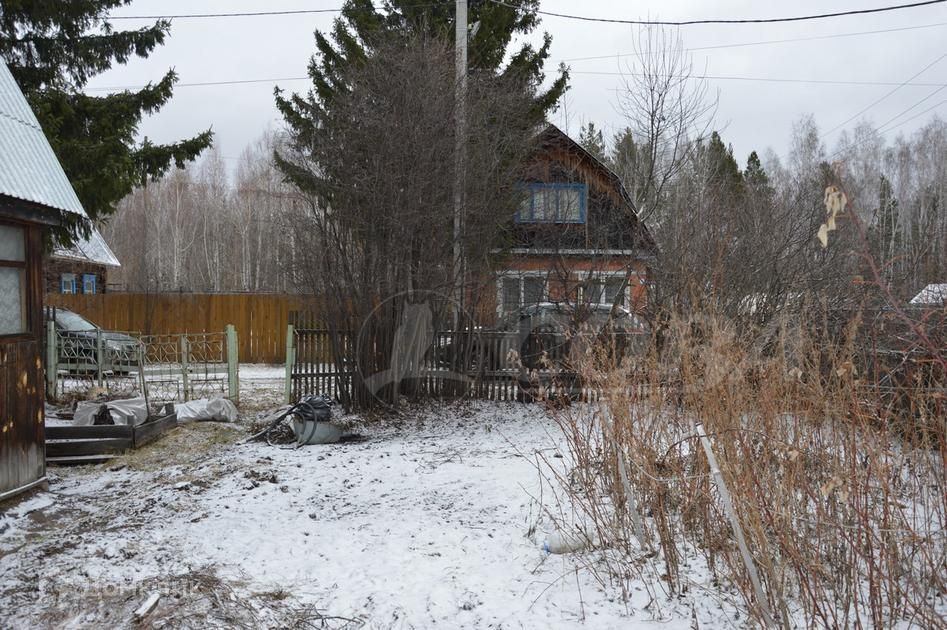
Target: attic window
554,203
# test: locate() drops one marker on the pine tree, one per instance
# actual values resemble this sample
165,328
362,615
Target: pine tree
362,27
630,163
592,141
722,172
886,232
53,49
755,175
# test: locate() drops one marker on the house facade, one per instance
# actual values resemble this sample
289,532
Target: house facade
83,268
34,195
575,239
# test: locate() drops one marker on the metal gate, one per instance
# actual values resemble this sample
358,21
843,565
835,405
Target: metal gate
164,368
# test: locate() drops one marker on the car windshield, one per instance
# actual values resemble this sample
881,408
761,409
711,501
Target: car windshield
67,320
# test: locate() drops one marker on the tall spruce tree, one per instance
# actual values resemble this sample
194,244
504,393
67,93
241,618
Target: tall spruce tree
755,175
722,173
362,27
885,232
630,161
591,139
53,49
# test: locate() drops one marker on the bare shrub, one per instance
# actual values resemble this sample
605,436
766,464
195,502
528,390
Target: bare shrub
840,501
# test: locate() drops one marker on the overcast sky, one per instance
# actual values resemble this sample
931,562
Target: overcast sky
752,114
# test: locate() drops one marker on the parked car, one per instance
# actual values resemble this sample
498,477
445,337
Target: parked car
78,342
548,331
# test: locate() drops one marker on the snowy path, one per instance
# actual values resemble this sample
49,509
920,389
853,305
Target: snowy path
419,526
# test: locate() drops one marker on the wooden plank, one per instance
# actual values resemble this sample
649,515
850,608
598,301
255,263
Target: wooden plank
88,432
153,429
72,448
80,459
259,319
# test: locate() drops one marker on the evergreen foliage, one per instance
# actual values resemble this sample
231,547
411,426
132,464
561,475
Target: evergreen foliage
631,162
591,139
755,175
885,231
53,49
363,28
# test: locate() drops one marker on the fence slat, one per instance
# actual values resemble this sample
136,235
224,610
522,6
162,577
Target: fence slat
261,319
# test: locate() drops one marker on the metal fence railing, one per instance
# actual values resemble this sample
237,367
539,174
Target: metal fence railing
79,361
163,368
186,367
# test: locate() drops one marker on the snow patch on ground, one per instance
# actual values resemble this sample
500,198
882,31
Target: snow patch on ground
422,524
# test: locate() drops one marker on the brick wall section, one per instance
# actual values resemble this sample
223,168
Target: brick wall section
574,269
55,267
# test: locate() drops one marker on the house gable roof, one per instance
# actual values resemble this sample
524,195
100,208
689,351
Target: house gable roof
93,249
29,169
551,135
931,295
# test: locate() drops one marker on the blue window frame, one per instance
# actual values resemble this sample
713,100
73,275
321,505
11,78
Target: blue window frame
67,283
88,283
554,203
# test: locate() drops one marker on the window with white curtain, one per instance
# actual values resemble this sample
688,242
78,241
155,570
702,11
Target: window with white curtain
604,290
13,301
519,291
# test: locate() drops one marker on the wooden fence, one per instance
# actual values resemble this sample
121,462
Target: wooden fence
486,365
260,319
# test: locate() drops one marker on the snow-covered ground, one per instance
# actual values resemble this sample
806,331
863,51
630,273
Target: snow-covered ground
424,523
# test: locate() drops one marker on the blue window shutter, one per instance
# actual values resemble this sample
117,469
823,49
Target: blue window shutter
88,283
67,283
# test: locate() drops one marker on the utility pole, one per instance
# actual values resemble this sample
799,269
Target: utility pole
460,151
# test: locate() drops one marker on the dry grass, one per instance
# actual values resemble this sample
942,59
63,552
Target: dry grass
198,599
182,445
840,496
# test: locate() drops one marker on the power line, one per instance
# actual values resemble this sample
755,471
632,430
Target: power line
580,72
885,96
798,18
902,113
718,77
186,16
116,88
914,117
222,15
881,132
765,42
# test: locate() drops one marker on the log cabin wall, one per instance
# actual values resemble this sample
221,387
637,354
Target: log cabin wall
22,438
56,267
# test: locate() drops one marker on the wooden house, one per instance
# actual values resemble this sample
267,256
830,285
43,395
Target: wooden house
81,268
931,296
34,195
576,238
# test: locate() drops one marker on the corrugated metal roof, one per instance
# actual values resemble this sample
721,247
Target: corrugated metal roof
931,295
93,249
29,169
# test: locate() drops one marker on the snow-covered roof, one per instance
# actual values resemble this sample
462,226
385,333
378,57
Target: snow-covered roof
931,295
93,249
29,170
